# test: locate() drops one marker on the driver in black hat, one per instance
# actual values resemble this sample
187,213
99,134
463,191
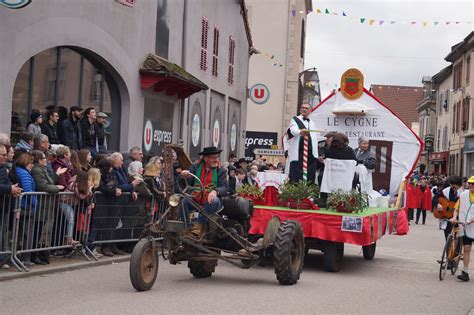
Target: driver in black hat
213,178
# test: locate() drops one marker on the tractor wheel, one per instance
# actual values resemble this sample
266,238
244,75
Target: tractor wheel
202,268
143,266
288,252
333,253
369,251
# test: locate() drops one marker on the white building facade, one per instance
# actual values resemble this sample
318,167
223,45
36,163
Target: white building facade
279,32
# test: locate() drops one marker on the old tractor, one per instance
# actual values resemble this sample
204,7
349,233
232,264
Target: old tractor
220,238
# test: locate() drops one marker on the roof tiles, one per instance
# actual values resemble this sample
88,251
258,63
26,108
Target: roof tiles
402,100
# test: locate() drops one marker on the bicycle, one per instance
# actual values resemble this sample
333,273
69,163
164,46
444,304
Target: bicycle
452,251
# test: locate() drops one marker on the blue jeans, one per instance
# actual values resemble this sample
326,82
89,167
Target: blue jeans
208,207
68,212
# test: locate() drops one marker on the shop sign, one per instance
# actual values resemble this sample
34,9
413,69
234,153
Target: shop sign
195,130
259,94
469,145
439,156
259,140
233,137
153,136
352,84
216,134
15,4
269,152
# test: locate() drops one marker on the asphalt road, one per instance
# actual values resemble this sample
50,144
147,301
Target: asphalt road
403,278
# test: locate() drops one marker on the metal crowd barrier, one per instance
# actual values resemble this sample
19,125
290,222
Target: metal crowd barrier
38,222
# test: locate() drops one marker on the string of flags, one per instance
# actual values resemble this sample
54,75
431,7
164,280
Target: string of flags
378,22
272,57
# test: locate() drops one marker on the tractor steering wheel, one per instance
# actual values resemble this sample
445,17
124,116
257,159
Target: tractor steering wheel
187,189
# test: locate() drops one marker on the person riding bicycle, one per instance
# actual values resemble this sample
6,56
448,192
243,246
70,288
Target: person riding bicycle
465,209
451,193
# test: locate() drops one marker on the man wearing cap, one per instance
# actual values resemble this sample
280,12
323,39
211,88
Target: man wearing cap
465,207
302,147
213,178
101,140
34,126
70,131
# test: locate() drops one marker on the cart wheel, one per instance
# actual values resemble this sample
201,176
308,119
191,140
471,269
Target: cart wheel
143,266
333,253
369,251
288,252
443,263
202,268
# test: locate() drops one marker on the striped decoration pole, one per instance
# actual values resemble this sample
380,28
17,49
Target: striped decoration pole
305,157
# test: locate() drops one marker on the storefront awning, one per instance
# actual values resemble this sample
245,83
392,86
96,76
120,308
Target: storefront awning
166,76
439,157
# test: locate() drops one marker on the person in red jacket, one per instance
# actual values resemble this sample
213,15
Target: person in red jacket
411,198
424,201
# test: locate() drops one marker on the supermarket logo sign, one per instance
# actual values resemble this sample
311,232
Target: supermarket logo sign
151,136
15,4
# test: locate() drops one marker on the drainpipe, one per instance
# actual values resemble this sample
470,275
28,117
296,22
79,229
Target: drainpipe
182,121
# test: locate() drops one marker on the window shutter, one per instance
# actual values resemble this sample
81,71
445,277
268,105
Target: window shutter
204,34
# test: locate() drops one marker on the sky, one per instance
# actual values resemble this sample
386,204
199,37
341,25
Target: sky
392,54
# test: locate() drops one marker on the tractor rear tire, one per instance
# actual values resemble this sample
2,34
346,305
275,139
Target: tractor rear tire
288,252
333,253
369,251
143,266
203,268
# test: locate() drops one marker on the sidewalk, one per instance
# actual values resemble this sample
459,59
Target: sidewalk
60,264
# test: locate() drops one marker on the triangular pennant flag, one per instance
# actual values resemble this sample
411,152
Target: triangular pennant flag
371,22
447,22
380,22
362,20
413,23
327,11
318,11
436,23
425,23
458,22
335,13
293,12
343,13
272,57
393,22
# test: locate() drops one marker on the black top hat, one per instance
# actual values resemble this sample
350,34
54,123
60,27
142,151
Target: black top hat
210,150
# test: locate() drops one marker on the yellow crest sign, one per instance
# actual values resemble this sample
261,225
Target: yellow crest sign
352,84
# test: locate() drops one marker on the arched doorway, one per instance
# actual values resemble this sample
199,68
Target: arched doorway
62,77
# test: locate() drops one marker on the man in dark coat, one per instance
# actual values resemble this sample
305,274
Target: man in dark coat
7,191
50,127
89,131
70,132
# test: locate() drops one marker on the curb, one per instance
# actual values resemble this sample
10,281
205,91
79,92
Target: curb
76,266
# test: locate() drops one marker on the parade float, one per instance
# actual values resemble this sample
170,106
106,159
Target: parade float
355,218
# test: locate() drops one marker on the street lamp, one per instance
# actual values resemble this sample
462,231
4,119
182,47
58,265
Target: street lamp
308,87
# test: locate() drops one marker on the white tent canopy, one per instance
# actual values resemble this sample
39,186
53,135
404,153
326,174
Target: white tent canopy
370,118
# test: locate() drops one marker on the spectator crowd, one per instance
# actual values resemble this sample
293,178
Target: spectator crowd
72,156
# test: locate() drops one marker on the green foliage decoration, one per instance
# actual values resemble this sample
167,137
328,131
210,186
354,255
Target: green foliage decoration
347,201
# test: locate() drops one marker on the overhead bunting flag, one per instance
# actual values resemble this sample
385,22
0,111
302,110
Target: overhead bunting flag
293,12
424,23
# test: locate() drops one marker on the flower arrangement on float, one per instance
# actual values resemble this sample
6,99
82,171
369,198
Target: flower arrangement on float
347,201
251,192
300,195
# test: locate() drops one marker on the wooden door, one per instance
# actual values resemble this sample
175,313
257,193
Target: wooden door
383,171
